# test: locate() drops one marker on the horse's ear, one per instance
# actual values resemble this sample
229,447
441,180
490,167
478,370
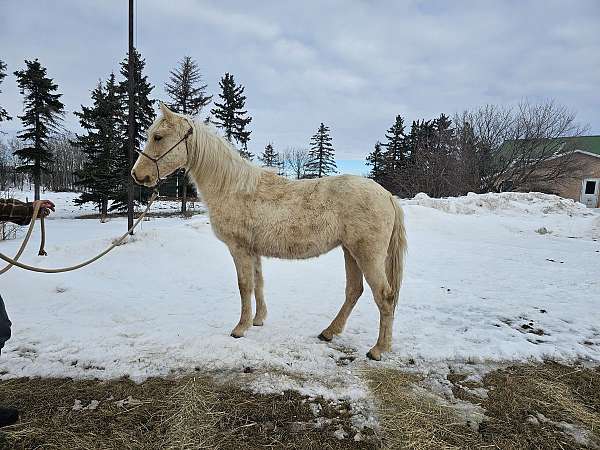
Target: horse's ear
167,113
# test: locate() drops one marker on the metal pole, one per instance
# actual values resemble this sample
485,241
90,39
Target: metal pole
131,124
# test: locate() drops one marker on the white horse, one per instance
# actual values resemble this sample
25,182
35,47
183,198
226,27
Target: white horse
258,213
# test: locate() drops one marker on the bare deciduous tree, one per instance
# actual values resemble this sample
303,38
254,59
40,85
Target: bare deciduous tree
67,160
8,230
10,176
296,160
519,148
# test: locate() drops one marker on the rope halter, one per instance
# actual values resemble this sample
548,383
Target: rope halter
156,160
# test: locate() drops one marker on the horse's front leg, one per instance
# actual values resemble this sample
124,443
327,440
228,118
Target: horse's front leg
244,265
261,306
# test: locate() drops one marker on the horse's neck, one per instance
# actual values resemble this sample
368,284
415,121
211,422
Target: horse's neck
219,179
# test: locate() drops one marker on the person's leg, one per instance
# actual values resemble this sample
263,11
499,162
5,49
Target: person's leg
4,325
8,416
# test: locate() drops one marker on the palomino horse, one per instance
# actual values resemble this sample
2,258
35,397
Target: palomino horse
258,213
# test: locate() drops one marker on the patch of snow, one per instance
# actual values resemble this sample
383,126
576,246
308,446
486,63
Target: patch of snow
579,434
340,434
78,406
129,401
508,203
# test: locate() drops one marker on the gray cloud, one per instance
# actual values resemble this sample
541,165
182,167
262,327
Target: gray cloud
351,64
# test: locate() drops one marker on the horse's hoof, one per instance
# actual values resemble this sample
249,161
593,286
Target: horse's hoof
237,336
324,338
373,357
258,323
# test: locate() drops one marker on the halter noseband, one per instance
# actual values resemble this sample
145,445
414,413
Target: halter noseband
156,160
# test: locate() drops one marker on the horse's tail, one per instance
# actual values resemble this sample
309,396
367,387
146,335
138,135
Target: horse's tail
396,252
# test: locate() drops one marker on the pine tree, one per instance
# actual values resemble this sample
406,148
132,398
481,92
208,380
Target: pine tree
188,96
185,88
3,114
376,159
395,147
101,144
270,158
42,113
144,116
322,155
444,134
230,115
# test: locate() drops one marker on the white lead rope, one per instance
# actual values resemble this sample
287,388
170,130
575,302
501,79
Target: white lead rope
14,261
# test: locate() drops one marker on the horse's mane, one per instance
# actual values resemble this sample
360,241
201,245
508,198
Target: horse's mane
213,163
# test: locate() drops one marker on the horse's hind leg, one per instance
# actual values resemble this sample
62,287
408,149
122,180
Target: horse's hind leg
374,269
244,265
354,289
261,306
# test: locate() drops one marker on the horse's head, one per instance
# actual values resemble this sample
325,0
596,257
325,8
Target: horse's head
165,150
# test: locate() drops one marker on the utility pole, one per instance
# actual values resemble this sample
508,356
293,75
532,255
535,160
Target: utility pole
131,127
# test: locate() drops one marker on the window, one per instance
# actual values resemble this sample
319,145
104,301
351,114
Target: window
590,187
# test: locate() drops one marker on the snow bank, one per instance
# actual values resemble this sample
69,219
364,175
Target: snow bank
508,203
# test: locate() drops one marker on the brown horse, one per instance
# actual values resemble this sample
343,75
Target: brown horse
258,213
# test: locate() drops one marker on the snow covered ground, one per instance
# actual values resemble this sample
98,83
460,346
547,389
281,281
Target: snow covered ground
67,209
495,277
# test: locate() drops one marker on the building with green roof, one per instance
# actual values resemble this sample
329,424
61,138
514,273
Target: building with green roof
584,184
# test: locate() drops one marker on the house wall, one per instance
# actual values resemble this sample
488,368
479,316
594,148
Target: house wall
572,188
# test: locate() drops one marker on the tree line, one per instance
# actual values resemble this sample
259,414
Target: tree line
489,149
492,148
96,161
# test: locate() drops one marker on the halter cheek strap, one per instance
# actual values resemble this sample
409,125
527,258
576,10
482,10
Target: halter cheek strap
156,160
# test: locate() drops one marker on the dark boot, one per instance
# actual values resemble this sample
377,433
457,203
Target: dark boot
8,416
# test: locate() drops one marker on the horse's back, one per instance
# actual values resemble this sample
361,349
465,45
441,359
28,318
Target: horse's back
306,218
295,219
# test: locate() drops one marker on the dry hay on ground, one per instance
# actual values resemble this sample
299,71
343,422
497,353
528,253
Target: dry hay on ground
547,405
189,412
414,418
538,406
541,406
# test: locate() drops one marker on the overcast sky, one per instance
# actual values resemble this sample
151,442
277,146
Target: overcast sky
353,65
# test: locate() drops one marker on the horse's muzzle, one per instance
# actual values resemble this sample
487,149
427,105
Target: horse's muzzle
144,181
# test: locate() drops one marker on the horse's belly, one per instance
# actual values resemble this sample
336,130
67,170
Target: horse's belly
294,248
296,251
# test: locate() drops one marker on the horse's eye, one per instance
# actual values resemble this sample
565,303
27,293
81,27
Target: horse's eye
157,137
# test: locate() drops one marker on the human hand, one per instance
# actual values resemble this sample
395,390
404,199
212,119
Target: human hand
46,206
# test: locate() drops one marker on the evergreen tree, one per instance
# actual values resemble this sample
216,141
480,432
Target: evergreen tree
188,96
42,113
376,159
102,145
3,114
230,115
270,158
396,149
443,135
471,161
185,88
143,118
322,155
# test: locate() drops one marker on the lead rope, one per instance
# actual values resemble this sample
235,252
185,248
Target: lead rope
14,261
36,209
42,251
